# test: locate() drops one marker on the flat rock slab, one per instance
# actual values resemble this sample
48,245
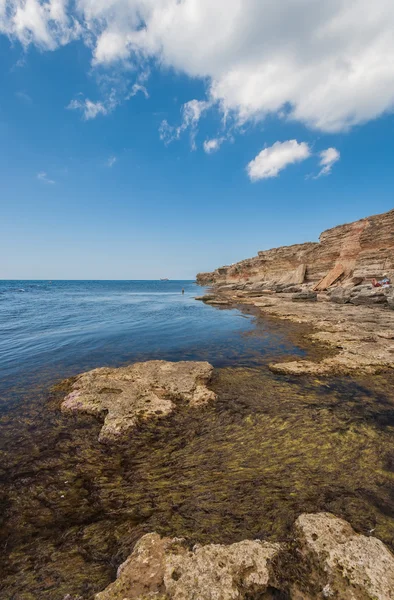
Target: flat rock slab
330,278
139,391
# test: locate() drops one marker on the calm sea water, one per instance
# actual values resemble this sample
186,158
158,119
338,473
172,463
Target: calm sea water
54,330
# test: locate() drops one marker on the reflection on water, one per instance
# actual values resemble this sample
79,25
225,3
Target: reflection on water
245,466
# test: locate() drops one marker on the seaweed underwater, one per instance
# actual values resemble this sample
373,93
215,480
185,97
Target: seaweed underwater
243,467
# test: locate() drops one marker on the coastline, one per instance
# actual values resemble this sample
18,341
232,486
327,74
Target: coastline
307,438
359,339
244,466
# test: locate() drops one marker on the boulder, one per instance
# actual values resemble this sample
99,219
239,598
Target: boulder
164,568
141,391
368,297
340,563
292,289
307,295
341,295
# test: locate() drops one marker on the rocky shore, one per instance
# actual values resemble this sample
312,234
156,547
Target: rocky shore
325,558
235,483
327,285
126,396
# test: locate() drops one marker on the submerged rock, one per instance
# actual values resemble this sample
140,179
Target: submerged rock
139,391
326,559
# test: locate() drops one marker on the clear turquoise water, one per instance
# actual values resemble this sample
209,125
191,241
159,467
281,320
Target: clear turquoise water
54,330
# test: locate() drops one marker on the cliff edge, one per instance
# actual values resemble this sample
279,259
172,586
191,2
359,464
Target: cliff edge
363,249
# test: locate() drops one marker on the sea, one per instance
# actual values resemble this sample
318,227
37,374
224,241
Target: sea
51,330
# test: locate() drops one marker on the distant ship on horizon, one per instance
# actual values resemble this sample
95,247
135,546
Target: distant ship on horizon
164,279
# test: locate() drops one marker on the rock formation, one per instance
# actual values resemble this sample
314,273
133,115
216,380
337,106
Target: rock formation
165,568
326,559
341,563
364,249
140,391
297,283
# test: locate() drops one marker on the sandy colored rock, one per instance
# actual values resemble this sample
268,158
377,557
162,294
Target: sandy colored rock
356,333
364,248
343,564
218,572
143,572
326,559
330,278
139,391
166,568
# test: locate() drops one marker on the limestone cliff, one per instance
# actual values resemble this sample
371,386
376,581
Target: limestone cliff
364,249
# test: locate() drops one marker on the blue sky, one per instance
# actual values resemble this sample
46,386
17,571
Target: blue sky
104,172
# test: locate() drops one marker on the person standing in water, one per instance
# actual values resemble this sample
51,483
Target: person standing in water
183,291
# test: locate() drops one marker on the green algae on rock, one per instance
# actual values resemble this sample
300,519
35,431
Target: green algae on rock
139,391
241,468
333,561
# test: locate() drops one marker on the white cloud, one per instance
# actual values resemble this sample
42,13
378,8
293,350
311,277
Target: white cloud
45,24
137,87
111,161
213,145
42,176
316,61
191,114
327,159
90,110
270,161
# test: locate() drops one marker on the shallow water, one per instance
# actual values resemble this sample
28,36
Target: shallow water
245,466
54,330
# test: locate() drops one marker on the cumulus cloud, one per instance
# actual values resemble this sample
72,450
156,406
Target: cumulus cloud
47,24
313,61
213,145
270,161
42,176
327,159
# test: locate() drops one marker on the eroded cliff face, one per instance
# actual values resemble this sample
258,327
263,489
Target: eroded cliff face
365,249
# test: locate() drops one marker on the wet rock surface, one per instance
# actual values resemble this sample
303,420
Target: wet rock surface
326,559
241,468
354,326
140,391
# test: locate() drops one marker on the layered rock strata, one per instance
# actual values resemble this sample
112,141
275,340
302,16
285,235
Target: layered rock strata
147,390
325,559
364,249
326,285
